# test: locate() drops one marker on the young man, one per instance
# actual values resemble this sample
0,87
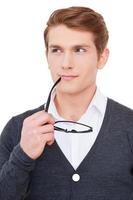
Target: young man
79,145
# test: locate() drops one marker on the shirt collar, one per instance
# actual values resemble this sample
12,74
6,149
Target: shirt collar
98,102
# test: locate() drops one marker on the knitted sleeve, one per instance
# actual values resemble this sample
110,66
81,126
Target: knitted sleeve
15,165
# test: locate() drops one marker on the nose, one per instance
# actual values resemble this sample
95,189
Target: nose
67,61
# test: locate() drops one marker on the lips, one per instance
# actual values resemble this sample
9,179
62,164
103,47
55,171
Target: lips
68,77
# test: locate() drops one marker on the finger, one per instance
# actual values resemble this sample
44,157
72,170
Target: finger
35,115
44,118
48,128
47,138
50,143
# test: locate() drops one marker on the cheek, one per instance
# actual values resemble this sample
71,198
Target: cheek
50,63
53,71
88,66
53,67
54,60
88,71
88,59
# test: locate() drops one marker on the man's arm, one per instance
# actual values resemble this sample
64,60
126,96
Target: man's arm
15,165
21,143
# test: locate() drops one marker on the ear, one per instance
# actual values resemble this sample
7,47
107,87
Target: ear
103,58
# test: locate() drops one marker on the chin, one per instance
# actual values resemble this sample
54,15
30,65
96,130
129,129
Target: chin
67,90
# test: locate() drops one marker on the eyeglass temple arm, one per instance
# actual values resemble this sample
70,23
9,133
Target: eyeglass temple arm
49,97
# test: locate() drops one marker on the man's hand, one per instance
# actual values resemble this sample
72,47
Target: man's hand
37,131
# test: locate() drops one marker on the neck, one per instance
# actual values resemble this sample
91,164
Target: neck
73,106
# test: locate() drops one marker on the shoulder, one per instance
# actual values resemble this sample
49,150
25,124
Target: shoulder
118,107
12,130
120,113
18,119
27,113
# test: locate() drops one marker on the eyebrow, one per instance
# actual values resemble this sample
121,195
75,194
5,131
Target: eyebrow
72,47
54,46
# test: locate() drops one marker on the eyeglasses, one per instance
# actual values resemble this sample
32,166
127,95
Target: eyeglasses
82,128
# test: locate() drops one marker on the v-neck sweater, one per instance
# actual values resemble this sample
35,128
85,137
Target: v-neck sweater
76,146
106,172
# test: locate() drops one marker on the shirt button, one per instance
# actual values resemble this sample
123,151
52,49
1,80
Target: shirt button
75,177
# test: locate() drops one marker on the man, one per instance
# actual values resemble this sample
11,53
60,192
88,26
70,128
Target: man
79,145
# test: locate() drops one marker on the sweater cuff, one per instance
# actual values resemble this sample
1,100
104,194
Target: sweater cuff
19,158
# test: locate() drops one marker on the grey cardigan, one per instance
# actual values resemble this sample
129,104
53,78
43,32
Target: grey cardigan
106,173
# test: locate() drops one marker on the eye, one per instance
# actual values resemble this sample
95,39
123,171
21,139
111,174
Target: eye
80,50
56,50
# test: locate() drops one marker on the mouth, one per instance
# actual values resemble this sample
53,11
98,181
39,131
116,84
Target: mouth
68,77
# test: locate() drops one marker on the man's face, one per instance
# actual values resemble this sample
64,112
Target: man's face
72,55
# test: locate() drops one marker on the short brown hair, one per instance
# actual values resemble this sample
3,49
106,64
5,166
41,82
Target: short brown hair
80,18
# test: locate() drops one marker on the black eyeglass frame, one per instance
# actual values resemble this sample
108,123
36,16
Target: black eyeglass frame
90,129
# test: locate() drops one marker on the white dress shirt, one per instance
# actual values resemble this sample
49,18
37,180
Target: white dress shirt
76,146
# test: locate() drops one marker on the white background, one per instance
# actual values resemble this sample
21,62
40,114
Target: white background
24,77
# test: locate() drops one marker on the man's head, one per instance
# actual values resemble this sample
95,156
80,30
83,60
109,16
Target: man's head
82,19
76,40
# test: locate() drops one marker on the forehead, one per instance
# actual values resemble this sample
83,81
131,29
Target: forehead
64,36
